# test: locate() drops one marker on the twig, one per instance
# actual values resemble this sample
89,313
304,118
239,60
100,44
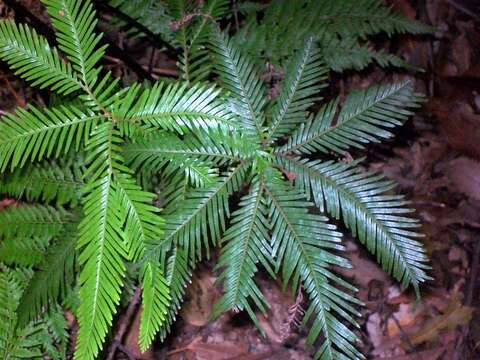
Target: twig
127,352
20,102
463,9
155,39
235,14
122,328
404,335
472,281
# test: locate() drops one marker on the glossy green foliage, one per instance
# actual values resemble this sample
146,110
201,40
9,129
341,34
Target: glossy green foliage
84,144
339,27
199,149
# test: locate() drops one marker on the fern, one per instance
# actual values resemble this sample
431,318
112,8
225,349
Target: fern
339,27
99,232
118,218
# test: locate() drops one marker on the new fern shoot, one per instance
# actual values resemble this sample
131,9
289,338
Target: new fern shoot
87,174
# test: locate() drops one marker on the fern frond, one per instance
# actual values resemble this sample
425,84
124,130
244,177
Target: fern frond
155,301
365,117
375,217
364,17
46,181
75,23
304,243
33,220
102,242
15,343
32,58
201,217
179,108
167,153
195,62
23,251
247,245
103,248
303,81
35,134
215,147
240,77
142,220
178,273
53,278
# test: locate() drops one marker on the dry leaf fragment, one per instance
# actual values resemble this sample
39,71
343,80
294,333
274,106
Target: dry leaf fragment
456,314
201,296
464,174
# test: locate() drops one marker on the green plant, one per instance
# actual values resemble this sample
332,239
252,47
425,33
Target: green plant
88,129
198,146
271,32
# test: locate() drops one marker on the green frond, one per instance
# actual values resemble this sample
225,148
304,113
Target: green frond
103,93
48,181
142,220
53,278
103,248
304,78
216,147
341,54
56,334
166,153
103,154
179,108
364,17
15,343
155,302
23,251
305,245
33,220
194,61
34,134
75,23
247,245
102,243
178,273
240,77
200,218
376,218
365,116
32,58
341,28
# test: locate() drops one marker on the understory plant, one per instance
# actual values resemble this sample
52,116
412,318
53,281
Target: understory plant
230,168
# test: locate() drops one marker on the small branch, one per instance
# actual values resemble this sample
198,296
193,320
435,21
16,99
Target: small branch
155,39
122,328
463,9
472,282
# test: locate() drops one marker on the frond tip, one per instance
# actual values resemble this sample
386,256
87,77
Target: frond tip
375,217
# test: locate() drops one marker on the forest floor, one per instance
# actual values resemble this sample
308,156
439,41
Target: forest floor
435,159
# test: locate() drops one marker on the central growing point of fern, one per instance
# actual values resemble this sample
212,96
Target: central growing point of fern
199,145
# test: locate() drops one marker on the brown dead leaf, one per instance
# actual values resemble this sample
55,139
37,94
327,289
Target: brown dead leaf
206,351
432,354
461,54
459,125
456,314
464,176
201,296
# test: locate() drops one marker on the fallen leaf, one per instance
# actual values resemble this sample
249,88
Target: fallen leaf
201,296
456,314
432,354
464,175
206,351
